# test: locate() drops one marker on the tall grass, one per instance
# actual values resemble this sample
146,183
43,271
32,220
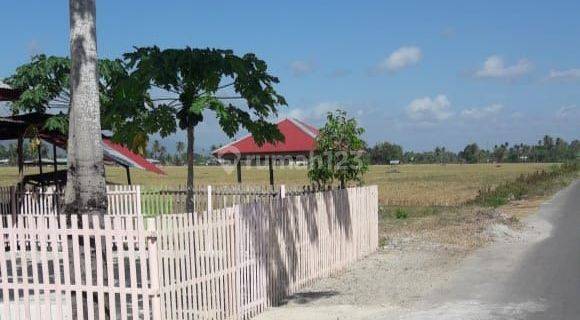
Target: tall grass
399,186
538,183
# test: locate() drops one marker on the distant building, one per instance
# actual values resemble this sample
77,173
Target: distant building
154,161
394,162
212,162
299,142
4,162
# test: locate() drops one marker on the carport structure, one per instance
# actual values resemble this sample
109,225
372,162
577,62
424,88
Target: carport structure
16,128
299,143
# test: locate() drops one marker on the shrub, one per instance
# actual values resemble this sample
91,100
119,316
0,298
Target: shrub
401,213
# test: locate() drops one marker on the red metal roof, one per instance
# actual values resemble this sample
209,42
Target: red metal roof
121,154
299,138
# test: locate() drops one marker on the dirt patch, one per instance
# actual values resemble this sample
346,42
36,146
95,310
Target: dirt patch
522,208
459,230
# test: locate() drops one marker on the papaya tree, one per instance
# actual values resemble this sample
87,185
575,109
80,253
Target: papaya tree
237,90
338,154
44,83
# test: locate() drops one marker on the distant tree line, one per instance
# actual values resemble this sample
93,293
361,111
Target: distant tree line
159,152
30,151
156,151
548,149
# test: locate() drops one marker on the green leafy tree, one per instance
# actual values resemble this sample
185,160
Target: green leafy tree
471,153
124,105
210,80
500,152
384,152
338,155
180,152
156,149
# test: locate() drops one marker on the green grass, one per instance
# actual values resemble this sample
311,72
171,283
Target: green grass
532,184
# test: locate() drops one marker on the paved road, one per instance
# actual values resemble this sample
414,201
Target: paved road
550,272
529,275
533,278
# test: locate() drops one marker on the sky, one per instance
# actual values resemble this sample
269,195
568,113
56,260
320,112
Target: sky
417,73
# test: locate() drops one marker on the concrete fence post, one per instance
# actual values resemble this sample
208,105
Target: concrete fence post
154,267
282,191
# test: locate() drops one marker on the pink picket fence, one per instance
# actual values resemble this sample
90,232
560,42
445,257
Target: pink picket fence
225,263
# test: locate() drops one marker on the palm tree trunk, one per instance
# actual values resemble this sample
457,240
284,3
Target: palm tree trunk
85,190
190,159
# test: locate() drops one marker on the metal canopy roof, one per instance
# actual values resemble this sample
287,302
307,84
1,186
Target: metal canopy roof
14,127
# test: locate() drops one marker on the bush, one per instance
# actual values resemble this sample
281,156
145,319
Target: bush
401,213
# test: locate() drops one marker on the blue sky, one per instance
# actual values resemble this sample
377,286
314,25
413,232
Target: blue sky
418,73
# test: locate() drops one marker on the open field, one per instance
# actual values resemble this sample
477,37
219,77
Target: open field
421,185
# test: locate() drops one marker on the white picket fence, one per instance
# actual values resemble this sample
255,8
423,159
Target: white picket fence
133,200
226,263
123,200
84,268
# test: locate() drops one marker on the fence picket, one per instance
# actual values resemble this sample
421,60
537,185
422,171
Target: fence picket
247,250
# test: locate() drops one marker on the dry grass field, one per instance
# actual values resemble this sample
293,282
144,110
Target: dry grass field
421,185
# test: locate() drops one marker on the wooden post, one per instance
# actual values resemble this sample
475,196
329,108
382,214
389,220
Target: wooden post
40,159
154,268
41,178
128,171
271,168
13,202
239,169
54,161
20,150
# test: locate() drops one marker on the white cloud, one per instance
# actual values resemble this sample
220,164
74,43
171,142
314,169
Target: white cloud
321,109
568,112
297,113
401,58
301,67
481,113
494,67
318,112
569,74
430,109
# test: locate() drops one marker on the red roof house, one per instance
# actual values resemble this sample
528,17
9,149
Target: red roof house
299,140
